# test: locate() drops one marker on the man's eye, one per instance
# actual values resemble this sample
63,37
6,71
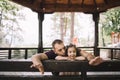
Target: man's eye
60,50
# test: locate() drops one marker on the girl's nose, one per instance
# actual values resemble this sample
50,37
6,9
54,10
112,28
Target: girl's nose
72,53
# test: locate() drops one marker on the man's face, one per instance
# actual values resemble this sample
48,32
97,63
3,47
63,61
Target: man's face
59,49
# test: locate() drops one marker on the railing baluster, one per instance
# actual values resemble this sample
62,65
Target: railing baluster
111,54
26,53
9,54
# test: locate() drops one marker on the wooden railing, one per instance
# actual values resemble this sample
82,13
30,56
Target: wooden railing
9,51
60,66
113,50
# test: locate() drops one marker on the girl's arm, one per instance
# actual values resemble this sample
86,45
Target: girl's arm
61,58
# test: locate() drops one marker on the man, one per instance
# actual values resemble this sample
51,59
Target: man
59,51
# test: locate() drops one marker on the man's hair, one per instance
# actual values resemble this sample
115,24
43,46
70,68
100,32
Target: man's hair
57,41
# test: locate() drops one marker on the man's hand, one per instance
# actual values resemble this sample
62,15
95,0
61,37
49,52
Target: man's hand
96,61
39,67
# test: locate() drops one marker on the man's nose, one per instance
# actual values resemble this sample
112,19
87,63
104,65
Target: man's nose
63,51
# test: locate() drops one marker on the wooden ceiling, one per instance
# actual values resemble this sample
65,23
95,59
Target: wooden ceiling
87,6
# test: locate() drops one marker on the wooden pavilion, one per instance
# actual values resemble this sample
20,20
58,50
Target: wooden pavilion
94,7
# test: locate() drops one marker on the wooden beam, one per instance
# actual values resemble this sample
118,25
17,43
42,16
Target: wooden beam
60,66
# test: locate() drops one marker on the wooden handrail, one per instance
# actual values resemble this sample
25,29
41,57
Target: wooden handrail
26,50
59,66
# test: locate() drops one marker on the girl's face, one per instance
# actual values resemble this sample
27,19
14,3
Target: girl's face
71,52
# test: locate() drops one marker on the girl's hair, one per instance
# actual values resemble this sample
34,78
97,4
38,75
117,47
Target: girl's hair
72,45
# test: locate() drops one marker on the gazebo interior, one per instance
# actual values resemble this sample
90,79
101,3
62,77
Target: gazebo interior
42,7
94,7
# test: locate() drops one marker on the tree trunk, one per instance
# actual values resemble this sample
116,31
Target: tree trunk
61,26
72,26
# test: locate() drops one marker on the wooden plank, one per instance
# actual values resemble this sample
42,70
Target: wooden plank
16,66
108,65
70,66
49,65
40,77
60,66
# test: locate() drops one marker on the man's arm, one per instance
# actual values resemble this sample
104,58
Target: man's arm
87,55
91,58
80,58
36,59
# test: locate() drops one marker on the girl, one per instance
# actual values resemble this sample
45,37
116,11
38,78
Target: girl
73,54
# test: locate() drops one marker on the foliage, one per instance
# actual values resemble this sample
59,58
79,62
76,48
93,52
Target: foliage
9,26
67,27
112,21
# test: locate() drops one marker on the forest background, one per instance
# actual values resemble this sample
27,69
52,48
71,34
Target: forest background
19,27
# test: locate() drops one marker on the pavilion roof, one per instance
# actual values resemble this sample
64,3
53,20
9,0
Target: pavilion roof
87,6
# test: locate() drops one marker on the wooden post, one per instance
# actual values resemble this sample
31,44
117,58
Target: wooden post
96,20
40,45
